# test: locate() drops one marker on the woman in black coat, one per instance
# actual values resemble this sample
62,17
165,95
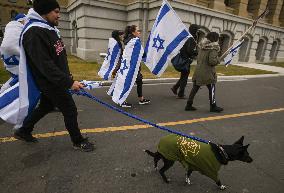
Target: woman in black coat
188,51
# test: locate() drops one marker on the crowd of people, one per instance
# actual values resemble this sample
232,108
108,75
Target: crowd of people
46,59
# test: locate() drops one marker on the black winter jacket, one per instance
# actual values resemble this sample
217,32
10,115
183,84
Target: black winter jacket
189,49
47,59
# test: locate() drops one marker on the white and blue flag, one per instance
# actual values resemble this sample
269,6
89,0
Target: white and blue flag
233,51
90,85
10,52
110,60
10,49
127,73
167,37
18,101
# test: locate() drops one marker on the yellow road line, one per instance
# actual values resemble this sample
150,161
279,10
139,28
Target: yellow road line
135,127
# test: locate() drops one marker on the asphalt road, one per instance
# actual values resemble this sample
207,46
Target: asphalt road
253,108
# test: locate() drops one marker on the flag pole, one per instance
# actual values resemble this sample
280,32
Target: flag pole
264,13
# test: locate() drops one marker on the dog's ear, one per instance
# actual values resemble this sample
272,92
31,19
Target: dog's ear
240,141
246,146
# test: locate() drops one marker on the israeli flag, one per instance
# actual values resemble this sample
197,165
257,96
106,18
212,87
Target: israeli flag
233,51
110,60
18,101
90,85
10,49
111,88
127,74
11,82
167,37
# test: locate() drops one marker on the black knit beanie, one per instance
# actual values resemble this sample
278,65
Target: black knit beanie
43,7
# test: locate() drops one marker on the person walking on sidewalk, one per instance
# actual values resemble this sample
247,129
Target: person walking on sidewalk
205,73
133,32
47,60
187,52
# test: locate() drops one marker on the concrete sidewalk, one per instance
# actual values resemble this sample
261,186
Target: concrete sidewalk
279,70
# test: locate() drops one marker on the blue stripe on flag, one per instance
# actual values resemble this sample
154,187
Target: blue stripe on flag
33,92
115,51
236,48
9,97
14,81
146,48
165,9
134,57
169,50
163,12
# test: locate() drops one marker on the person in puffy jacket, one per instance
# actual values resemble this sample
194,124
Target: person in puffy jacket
205,73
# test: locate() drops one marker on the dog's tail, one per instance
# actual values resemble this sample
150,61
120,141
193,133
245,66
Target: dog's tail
151,153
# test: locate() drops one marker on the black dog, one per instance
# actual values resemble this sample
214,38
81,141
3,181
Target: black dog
198,156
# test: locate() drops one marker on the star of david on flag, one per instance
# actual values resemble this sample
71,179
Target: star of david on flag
111,59
161,41
233,51
127,74
167,37
123,66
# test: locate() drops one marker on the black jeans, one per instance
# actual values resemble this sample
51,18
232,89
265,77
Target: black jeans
64,102
139,84
194,90
182,82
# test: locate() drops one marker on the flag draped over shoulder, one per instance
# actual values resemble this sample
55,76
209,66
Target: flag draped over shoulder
10,49
167,37
126,75
233,51
10,52
110,60
18,101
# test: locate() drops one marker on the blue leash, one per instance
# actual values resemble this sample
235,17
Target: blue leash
82,92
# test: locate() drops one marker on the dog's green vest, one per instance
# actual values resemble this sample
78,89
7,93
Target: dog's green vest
193,155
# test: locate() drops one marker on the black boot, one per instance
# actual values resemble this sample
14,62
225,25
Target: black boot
215,108
189,107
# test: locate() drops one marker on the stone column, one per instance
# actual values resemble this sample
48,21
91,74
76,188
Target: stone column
281,16
240,7
261,7
274,8
217,5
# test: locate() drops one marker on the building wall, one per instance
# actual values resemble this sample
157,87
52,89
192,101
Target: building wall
86,25
95,20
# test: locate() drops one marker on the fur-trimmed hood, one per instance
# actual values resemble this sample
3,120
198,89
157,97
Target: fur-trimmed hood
206,44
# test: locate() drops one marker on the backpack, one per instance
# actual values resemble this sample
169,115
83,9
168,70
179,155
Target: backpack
181,64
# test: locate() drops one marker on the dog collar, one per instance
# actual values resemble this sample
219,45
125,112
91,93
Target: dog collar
223,152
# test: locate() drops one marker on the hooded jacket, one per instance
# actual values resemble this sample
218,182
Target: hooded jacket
207,59
47,59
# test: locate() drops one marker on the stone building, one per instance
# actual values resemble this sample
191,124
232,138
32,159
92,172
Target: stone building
86,25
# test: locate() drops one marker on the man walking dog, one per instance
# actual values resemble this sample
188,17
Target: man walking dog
46,59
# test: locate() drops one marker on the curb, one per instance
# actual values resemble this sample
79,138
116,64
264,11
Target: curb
220,78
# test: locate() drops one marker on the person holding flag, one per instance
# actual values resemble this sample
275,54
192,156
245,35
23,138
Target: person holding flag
205,73
112,61
44,73
187,53
129,70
